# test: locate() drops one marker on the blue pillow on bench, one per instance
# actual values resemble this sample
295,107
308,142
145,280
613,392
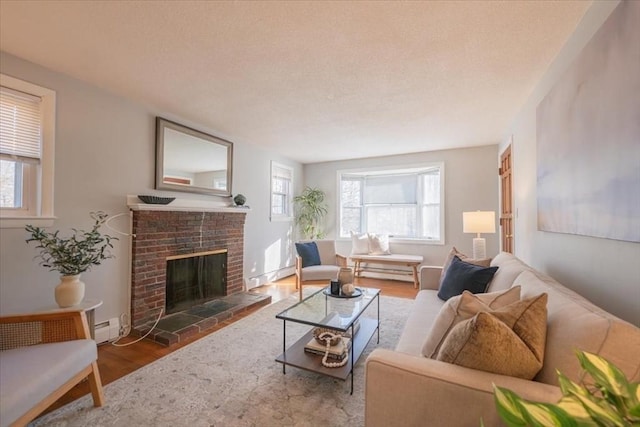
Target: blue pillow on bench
463,276
309,253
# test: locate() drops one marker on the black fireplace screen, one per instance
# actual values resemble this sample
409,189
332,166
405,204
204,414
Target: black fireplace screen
195,280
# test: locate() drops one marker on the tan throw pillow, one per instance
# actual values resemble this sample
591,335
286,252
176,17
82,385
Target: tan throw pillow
485,262
508,341
463,307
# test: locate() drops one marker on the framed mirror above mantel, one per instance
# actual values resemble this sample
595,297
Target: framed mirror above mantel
192,161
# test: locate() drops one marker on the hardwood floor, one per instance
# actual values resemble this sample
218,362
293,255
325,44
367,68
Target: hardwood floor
115,362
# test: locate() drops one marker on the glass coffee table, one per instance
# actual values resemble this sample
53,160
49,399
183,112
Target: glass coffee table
324,310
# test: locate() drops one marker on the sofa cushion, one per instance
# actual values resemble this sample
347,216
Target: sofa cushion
29,374
321,272
462,276
308,251
359,243
574,323
508,341
463,307
379,244
510,268
485,262
424,310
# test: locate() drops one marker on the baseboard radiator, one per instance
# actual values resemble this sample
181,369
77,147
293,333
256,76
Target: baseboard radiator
107,331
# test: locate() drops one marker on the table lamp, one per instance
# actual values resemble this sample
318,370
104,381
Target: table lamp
479,222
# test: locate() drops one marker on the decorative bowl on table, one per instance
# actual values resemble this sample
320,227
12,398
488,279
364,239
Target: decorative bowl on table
156,200
335,339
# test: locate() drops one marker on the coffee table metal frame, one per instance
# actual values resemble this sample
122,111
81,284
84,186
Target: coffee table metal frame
311,311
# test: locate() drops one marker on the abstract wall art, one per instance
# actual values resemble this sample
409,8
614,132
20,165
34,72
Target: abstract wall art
588,137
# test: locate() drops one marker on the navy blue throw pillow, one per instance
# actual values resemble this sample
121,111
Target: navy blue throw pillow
309,253
463,276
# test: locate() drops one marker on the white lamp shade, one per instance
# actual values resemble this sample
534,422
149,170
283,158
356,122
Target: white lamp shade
479,222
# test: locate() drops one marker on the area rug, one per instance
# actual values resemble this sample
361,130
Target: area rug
230,378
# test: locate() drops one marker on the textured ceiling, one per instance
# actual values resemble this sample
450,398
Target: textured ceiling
315,81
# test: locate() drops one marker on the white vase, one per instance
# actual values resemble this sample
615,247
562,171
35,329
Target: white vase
70,291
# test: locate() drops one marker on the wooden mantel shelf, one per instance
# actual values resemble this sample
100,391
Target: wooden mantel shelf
185,205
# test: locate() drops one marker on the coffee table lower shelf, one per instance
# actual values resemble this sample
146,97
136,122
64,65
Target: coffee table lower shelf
298,358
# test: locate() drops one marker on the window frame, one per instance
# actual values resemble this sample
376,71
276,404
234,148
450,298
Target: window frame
288,216
38,180
396,169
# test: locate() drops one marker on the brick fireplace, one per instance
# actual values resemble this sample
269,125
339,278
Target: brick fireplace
163,232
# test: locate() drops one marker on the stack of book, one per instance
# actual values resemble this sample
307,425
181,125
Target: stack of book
336,352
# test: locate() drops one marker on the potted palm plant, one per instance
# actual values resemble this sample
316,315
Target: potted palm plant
72,256
310,210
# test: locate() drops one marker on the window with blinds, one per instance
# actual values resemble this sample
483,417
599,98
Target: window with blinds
402,203
281,191
20,126
27,117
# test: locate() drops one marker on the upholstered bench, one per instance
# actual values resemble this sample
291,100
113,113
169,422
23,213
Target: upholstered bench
398,260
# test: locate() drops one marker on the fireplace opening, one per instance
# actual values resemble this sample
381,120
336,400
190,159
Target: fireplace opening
194,279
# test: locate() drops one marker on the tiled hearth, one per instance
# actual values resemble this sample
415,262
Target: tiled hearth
177,327
178,229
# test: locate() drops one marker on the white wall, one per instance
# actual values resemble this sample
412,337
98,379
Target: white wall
605,271
105,149
471,183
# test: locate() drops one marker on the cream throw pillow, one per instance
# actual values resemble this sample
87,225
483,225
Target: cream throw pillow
359,243
379,244
508,341
485,262
463,307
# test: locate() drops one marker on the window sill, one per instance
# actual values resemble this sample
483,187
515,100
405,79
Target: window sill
281,218
21,222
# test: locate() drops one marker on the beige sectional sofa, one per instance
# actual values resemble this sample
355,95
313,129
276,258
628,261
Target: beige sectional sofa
404,388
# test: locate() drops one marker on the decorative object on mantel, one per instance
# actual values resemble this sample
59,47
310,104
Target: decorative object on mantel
239,199
156,200
72,256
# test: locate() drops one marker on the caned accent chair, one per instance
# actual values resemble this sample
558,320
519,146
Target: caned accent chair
42,356
330,264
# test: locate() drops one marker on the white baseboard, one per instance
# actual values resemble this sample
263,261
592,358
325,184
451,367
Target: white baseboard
263,279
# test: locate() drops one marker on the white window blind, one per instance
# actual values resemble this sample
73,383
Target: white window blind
20,126
390,189
280,172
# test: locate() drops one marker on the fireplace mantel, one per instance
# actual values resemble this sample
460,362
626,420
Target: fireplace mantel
185,205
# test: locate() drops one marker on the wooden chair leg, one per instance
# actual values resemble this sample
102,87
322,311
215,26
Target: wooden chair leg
95,384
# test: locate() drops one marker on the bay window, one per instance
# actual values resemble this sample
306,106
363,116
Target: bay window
402,203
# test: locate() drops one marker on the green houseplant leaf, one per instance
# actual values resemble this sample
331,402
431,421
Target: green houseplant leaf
518,412
75,254
610,400
310,211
